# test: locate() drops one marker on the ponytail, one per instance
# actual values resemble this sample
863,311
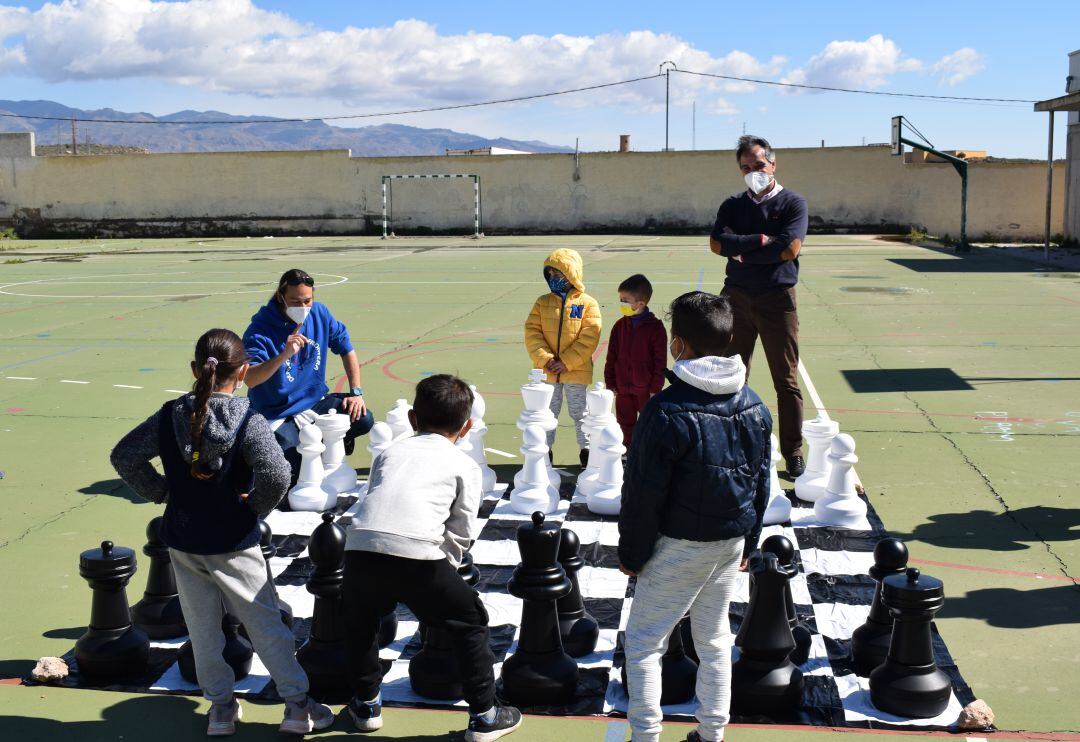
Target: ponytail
219,355
204,386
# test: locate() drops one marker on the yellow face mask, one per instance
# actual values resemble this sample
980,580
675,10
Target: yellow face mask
627,309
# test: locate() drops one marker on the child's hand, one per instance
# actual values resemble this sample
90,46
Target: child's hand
558,367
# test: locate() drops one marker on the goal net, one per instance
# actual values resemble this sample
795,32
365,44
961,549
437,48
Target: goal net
388,198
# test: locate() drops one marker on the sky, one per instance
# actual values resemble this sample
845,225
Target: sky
331,57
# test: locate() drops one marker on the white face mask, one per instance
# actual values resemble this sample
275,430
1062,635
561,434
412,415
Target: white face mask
676,357
297,314
757,181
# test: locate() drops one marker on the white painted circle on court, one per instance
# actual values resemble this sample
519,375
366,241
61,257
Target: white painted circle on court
87,280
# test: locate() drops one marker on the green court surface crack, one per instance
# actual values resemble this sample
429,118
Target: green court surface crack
62,514
947,437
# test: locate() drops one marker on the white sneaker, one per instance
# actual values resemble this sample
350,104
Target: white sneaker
223,718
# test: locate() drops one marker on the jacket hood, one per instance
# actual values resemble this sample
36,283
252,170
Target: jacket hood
569,263
713,374
224,415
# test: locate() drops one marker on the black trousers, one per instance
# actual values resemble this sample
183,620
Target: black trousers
436,594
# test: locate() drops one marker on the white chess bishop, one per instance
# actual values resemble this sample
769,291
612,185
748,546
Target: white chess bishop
338,476
779,508
532,488
309,492
598,404
819,433
606,497
841,505
472,442
398,419
537,397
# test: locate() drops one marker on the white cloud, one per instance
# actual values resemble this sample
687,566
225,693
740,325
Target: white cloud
855,64
954,68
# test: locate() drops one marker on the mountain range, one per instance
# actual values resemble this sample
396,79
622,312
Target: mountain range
269,134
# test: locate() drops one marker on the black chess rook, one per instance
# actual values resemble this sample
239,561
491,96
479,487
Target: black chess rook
909,682
323,654
870,642
784,550
539,673
579,630
237,652
112,647
159,613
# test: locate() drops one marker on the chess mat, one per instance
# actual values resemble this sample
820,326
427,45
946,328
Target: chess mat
832,594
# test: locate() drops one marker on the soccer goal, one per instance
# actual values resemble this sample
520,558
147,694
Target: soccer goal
388,198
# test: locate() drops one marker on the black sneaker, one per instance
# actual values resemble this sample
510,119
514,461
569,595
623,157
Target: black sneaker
583,457
507,719
366,716
551,456
796,466
350,444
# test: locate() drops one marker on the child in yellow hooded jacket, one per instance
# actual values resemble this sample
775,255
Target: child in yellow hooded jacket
561,336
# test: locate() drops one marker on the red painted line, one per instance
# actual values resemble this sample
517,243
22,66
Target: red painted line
10,681
599,350
387,367
1071,301
993,570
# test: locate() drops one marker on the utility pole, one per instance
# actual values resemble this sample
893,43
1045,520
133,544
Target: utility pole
74,138
693,125
666,67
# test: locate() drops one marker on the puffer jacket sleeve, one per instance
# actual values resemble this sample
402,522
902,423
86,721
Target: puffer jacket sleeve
578,355
649,466
535,344
761,490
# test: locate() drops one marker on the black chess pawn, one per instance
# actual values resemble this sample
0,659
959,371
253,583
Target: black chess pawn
159,613
579,630
909,682
763,678
323,654
539,673
678,671
784,550
269,551
237,652
434,671
870,642
112,647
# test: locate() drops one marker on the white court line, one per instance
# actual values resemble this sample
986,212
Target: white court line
72,381
22,378
177,391
500,453
126,386
812,391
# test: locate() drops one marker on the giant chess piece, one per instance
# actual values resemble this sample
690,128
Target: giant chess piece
388,625
159,613
779,508
598,403
539,673
434,671
784,550
533,488
398,419
323,655
237,652
678,669
112,647
841,506
764,680
309,493
537,398
475,440
269,551
909,683
338,476
605,498
579,630
819,432
870,642
379,439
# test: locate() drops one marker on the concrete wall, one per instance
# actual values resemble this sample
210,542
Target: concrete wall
19,144
858,188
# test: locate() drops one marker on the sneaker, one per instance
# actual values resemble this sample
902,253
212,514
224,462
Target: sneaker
350,444
366,716
796,465
507,719
583,457
305,716
223,718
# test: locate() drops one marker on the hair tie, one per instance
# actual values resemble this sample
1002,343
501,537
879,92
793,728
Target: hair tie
212,361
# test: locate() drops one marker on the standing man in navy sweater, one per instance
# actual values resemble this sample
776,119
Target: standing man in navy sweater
760,231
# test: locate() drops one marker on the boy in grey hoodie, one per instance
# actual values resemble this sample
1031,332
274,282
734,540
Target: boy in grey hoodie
405,545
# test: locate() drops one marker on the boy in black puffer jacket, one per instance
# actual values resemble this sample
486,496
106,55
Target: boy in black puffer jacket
697,481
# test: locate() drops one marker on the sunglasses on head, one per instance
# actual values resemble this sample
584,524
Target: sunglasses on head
296,281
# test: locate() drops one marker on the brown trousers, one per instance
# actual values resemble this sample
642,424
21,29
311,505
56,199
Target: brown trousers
773,316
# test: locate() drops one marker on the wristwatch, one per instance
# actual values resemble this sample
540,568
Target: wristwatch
357,391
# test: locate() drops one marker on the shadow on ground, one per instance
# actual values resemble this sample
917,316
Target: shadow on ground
16,669
989,531
113,488
1018,609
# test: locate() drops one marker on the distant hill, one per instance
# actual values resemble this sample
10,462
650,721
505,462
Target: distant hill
371,141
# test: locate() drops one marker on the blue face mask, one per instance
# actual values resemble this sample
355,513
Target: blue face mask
558,285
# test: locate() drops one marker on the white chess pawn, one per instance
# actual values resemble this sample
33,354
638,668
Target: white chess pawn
779,508
379,439
338,475
841,505
606,498
598,403
473,442
819,433
398,419
309,493
534,491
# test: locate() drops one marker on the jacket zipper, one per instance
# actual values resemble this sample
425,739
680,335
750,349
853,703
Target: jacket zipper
558,338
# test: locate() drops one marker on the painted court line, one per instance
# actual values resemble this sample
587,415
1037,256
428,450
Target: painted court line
126,386
497,452
176,391
21,378
72,381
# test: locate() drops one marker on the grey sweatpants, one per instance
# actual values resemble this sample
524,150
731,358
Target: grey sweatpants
681,576
575,401
240,579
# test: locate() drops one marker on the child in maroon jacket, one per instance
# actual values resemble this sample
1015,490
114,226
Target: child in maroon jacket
636,354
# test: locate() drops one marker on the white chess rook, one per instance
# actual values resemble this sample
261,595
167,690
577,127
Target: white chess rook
819,433
606,498
338,476
309,493
398,419
779,508
532,488
598,403
841,505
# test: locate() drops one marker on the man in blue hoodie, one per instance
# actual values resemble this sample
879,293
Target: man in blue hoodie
287,343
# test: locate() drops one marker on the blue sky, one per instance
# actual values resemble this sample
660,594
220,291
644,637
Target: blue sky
325,58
